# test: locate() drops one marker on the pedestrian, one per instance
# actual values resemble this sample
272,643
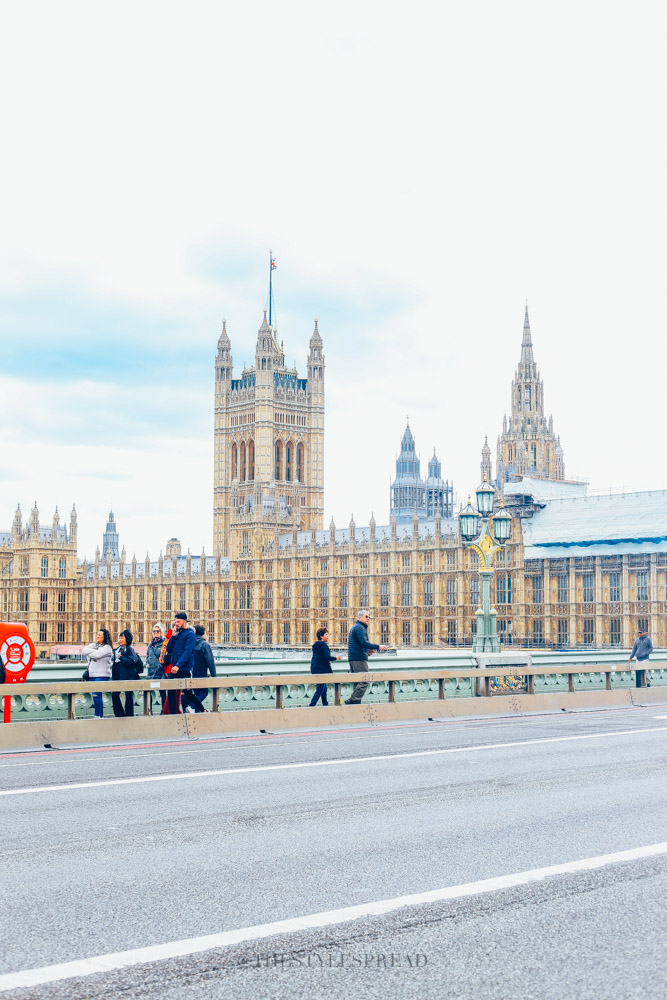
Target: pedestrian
179,652
642,649
203,662
358,648
101,657
165,663
154,669
321,664
127,667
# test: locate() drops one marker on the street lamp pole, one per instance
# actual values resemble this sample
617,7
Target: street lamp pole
488,540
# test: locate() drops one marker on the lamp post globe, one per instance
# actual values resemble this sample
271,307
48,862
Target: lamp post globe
502,525
468,519
485,494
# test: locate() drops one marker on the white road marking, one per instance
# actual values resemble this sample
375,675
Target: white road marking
68,754
322,763
62,757
225,939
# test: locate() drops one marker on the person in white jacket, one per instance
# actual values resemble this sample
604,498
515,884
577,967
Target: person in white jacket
100,657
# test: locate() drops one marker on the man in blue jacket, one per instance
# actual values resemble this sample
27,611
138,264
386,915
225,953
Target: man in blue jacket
180,649
358,648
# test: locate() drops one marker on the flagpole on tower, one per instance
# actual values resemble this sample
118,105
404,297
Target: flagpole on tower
272,266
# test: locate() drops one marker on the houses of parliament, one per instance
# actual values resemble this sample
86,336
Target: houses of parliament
578,570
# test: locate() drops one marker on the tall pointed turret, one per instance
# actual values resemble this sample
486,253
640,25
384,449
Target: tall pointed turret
73,526
316,361
439,492
268,355
224,363
110,540
17,525
34,522
527,445
406,493
410,494
527,342
485,465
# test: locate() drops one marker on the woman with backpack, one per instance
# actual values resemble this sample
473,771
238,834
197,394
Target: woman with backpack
127,667
100,659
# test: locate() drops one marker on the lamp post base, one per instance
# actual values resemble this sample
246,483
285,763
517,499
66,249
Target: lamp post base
486,638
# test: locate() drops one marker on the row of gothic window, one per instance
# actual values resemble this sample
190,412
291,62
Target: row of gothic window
289,461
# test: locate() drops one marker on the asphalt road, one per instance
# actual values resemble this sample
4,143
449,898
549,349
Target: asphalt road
115,848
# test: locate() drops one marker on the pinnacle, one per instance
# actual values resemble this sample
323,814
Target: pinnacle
527,342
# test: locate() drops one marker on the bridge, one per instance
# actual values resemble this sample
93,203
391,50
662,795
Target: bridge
477,831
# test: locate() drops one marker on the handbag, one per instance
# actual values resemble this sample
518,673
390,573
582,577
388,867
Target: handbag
85,676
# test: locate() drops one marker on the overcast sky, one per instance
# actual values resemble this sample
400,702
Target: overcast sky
419,171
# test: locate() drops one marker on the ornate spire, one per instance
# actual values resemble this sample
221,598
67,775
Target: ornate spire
223,339
17,526
315,337
485,466
34,522
264,328
527,342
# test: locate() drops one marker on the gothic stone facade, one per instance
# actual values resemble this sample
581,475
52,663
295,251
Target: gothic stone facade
274,575
420,583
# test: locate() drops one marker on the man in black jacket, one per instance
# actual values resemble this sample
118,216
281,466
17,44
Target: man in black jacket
204,663
358,648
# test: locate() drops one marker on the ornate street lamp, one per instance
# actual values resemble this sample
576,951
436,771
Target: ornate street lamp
495,531
469,520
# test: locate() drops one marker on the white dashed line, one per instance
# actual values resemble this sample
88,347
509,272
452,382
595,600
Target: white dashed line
191,946
336,762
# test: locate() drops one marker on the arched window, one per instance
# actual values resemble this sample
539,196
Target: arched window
289,452
246,545
279,460
263,364
234,462
251,459
528,397
518,396
299,463
242,461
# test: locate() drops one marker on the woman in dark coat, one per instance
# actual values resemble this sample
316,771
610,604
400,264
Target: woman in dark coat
127,667
321,664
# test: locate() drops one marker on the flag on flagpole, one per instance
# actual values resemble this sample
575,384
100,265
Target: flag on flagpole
273,264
